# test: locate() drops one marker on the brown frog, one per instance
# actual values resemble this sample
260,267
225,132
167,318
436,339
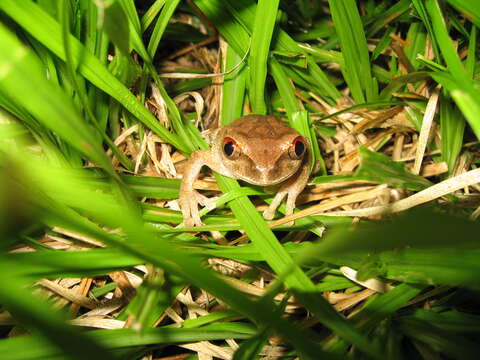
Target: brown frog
258,149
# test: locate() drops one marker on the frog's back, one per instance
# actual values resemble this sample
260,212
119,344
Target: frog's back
261,126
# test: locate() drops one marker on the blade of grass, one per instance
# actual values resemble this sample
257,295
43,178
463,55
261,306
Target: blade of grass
416,42
452,127
282,263
115,24
380,307
350,31
465,96
55,264
233,87
471,57
31,348
38,317
470,9
262,32
453,320
161,24
419,6
135,29
449,53
451,345
151,14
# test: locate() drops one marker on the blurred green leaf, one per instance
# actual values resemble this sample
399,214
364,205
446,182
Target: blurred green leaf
29,347
423,246
23,75
47,31
380,169
470,9
116,25
39,318
454,346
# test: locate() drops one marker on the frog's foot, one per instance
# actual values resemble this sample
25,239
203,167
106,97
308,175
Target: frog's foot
289,207
269,213
189,202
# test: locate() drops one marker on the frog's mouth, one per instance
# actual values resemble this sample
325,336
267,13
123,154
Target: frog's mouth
265,179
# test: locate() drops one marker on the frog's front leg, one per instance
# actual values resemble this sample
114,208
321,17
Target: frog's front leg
189,197
290,188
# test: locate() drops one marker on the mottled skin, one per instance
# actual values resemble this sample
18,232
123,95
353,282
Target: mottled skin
263,156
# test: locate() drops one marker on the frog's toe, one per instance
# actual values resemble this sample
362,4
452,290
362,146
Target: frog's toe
209,203
189,206
188,222
269,214
193,219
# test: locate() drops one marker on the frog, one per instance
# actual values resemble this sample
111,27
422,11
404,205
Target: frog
258,149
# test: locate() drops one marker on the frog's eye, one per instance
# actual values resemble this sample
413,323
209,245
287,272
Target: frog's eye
297,149
229,146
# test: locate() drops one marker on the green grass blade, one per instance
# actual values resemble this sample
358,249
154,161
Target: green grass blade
55,264
442,238
237,31
419,6
416,42
465,96
453,346
135,30
452,127
116,26
233,88
281,262
380,169
161,24
471,57
350,31
37,316
453,320
381,306
381,20
262,32
151,14
114,12
470,9
449,53
31,347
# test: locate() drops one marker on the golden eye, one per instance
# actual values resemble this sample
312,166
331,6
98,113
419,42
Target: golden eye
297,148
229,146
